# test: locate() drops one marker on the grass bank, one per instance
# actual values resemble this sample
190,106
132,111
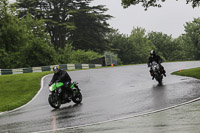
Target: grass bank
194,72
18,89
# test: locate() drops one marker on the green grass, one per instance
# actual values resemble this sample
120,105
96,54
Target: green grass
18,89
194,72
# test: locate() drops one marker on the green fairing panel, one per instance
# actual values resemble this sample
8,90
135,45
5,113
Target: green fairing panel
72,86
56,85
59,84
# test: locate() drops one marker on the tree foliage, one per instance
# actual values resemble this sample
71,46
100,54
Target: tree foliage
131,49
162,42
154,3
140,45
91,28
182,50
71,21
121,46
192,30
23,42
26,42
136,47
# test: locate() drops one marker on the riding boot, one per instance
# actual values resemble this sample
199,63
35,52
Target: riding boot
152,75
164,72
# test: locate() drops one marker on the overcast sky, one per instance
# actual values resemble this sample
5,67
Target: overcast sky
170,19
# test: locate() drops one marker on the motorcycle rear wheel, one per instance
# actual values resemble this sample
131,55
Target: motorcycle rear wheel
77,98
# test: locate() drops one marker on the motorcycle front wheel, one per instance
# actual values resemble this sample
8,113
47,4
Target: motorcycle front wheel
159,79
54,101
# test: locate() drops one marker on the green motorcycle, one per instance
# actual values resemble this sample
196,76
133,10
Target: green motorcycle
59,95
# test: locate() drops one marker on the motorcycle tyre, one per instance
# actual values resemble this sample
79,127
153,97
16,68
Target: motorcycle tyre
56,106
160,80
77,98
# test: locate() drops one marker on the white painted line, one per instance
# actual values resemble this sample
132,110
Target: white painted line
131,116
42,83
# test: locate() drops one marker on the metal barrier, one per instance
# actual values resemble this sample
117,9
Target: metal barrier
48,68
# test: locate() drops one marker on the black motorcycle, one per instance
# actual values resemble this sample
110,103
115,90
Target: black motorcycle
58,96
157,71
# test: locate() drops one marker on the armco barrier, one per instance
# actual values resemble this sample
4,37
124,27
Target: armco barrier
48,68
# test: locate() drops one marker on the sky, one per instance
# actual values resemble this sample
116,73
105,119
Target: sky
169,19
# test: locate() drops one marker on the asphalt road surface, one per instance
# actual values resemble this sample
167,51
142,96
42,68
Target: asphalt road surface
108,94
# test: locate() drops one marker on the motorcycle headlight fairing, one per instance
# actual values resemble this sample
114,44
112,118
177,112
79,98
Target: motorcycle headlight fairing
50,88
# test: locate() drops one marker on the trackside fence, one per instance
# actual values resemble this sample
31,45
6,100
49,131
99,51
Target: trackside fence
48,68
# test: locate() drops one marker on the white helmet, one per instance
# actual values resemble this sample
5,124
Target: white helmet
56,69
152,52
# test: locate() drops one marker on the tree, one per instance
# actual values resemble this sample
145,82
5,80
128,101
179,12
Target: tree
38,51
163,43
72,21
192,30
121,46
182,51
91,28
12,36
154,3
56,14
23,42
141,45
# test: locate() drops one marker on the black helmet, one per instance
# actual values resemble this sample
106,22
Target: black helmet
152,52
56,69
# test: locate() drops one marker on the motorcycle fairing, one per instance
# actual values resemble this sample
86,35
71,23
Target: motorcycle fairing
55,85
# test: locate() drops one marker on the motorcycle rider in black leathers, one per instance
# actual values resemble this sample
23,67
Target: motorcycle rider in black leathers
155,57
61,76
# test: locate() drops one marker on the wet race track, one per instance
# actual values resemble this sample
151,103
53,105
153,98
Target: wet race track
108,94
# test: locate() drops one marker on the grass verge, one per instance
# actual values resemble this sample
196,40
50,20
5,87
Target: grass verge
194,72
18,89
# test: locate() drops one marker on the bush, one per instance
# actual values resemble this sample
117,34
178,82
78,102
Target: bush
70,55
